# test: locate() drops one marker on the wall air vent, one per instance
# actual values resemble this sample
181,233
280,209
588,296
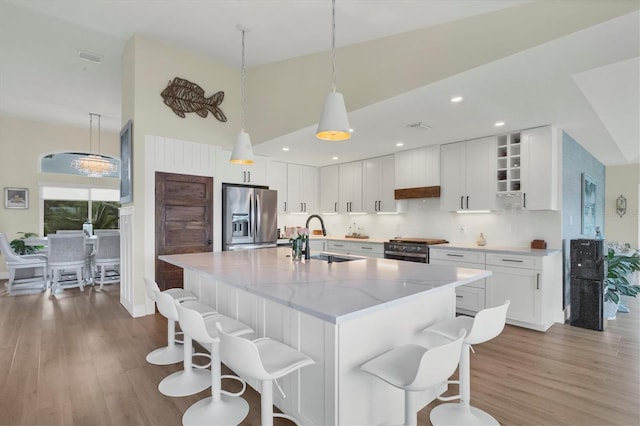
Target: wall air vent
91,57
419,125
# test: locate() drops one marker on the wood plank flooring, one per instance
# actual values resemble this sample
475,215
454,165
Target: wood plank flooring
79,359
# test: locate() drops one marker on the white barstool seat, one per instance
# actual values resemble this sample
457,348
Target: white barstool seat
486,325
262,359
192,378
171,353
415,368
222,407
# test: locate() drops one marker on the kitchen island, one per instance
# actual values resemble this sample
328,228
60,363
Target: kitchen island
340,314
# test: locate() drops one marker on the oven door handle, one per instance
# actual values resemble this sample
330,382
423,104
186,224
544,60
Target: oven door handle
401,253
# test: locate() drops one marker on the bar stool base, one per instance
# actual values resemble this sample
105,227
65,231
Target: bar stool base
184,383
460,415
166,355
230,410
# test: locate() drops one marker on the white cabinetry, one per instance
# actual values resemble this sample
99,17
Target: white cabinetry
378,184
468,175
302,188
358,248
278,181
527,166
255,174
417,167
330,189
532,283
470,298
351,187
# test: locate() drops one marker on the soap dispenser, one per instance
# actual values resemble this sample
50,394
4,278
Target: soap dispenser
482,241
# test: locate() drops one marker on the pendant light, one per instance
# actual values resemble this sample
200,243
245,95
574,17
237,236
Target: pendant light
242,150
334,123
94,165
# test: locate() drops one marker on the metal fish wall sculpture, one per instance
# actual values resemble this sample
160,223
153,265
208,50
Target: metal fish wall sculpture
184,96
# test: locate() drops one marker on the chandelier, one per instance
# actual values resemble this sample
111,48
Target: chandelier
94,165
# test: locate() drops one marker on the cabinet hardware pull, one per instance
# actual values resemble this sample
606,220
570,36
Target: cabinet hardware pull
459,297
455,255
512,260
335,206
366,248
244,176
285,206
305,207
537,281
467,201
301,208
461,205
249,176
524,200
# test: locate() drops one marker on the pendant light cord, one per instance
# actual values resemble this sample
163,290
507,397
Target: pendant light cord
333,44
90,133
242,90
99,147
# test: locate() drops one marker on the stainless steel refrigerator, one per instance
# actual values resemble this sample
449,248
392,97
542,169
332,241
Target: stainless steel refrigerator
249,217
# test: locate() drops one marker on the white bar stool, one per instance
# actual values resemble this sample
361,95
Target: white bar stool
171,353
262,359
193,378
222,407
487,324
415,368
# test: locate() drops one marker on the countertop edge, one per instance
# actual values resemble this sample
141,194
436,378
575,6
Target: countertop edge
497,249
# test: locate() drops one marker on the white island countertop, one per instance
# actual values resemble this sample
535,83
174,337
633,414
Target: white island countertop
335,292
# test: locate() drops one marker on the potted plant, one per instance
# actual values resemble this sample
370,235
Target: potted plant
20,246
620,267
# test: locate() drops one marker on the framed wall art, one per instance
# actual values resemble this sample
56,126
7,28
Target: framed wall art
126,163
16,198
589,189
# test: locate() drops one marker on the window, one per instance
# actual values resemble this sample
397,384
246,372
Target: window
70,207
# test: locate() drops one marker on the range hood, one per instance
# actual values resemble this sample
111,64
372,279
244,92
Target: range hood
420,192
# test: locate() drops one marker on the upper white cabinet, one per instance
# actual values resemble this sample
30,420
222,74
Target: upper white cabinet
278,181
540,169
468,175
330,189
417,167
378,184
302,189
351,187
527,165
255,174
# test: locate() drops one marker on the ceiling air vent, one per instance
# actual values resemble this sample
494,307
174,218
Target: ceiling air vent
419,125
91,57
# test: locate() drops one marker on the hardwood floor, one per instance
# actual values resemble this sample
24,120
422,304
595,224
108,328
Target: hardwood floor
79,359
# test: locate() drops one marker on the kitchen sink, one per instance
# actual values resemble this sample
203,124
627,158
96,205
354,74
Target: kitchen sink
329,258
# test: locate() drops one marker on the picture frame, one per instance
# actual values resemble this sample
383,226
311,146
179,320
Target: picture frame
126,163
16,198
589,191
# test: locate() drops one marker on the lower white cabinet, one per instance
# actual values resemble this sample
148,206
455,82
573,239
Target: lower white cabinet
317,245
532,282
357,248
470,298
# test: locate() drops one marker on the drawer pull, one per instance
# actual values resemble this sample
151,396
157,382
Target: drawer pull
459,297
455,255
512,260
366,248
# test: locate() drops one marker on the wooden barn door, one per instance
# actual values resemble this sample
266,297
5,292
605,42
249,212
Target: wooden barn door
184,221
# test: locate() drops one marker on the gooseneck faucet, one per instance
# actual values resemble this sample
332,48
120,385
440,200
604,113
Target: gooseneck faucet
307,252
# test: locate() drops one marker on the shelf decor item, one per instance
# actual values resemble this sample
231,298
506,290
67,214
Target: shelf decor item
16,198
298,237
183,96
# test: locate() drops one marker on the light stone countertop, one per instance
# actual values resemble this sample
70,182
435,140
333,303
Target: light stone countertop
335,292
343,238
496,249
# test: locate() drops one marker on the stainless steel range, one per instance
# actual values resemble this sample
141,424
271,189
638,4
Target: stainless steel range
410,249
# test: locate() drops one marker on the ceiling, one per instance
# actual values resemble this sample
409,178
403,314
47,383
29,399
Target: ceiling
586,82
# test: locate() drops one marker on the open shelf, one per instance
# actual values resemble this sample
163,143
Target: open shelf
508,163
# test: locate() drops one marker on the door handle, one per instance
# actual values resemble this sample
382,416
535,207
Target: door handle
524,200
461,201
285,206
209,242
335,206
467,201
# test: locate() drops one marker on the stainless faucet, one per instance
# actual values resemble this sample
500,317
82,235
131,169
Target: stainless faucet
307,251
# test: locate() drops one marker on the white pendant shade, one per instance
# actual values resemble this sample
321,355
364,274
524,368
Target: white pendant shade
242,150
334,123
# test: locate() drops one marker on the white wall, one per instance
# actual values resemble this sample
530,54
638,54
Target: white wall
423,218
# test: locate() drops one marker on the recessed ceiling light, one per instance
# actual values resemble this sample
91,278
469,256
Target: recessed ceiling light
285,148
499,123
350,130
456,99
334,158
399,144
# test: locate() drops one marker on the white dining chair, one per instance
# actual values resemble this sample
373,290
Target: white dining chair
24,270
67,258
106,260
